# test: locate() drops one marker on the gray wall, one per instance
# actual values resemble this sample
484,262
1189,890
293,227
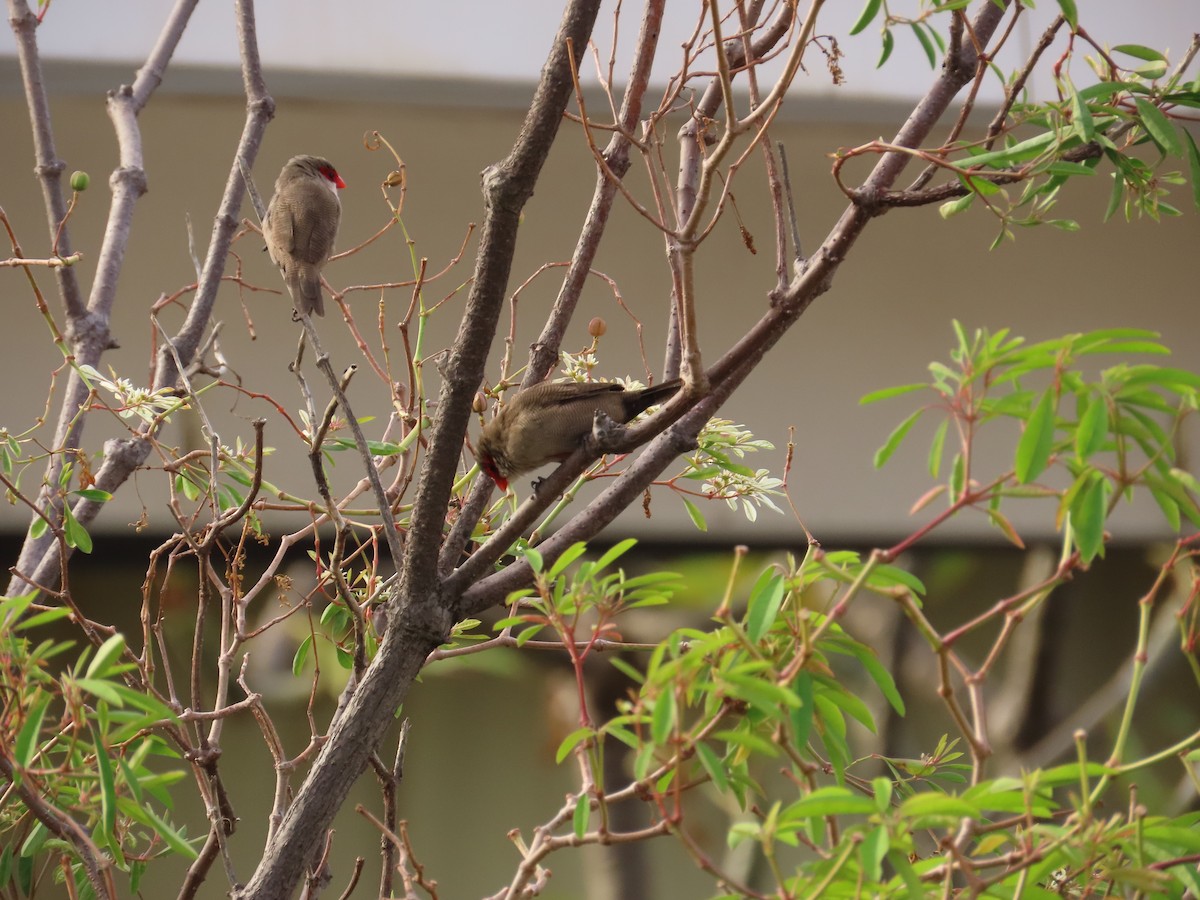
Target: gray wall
887,315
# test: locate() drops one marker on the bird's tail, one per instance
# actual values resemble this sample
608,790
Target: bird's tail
647,397
306,293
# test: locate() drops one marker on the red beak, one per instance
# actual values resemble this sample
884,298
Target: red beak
337,180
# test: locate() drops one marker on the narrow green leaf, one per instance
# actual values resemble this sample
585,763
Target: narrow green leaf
534,559
76,535
832,800
1193,155
1092,430
1070,13
662,722
888,393
570,741
108,790
1115,197
866,16
169,835
872,850
765,695
884,453
579,820
1159,127
45,616
694,513
109,651
926,44
1140,52
1033,450
713,766
95,494
1167,504
1087,517
12,608
801,717
301,655
936,804
954,207
869,661
28,738
936,447
1017,153
568,556
763,608
613,553
889,43
105,690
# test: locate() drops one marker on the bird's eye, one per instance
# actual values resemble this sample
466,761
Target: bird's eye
331,174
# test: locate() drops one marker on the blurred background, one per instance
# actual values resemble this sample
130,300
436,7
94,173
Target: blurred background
447,85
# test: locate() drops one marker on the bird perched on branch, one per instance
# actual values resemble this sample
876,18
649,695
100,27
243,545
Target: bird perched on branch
300,225
548,422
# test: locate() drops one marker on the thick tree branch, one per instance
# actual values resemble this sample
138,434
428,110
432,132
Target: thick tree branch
87,329
422,618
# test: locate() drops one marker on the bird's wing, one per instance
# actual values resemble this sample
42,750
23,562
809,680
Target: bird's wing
313,234
557,394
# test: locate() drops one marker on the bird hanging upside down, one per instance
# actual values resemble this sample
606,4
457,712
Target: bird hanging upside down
300,225
548,422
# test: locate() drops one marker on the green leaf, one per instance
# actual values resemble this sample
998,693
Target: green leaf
1193,155
954,207
764,695
763,608
169,835
108,791
613,553
1159,127
568,556
926,44
94,494
534,559
1088,513
1033,450
28,739
866,16
1093,429
1070,13
933,804
888,393
569,742
869,661
936,447
105,690
884,453
828,801
662,722
579,821
888,576
1023,151
76,535
872,850
109,651
889,43
1140,52
694,513
713,766
1115,196
301,655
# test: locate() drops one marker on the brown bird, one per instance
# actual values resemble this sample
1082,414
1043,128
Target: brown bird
548,422
300,225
